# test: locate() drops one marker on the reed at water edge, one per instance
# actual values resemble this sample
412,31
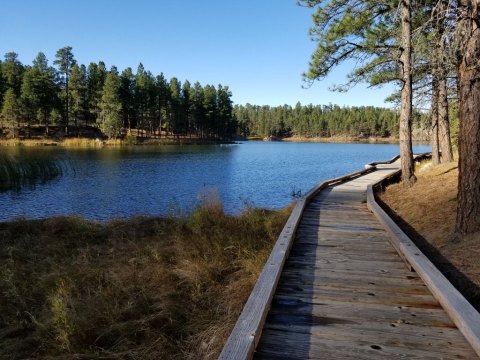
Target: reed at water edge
18,170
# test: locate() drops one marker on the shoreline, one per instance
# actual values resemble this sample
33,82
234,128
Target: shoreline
98,143
342,139
337,139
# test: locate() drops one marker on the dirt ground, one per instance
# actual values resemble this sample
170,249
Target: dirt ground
427,214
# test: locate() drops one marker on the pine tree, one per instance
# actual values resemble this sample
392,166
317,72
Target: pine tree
65,61
11,110
127,91
162,99
468,208
111,106
78,93
38,91
12,71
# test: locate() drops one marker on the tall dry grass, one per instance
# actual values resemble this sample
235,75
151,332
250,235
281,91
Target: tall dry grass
81,143
18,170
143,288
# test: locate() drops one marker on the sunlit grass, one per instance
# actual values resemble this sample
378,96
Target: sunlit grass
81,143
143,288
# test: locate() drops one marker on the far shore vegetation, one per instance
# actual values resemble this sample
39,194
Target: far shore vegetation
141,288
45,105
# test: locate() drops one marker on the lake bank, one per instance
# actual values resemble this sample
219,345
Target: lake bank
98,143
144,287
343,139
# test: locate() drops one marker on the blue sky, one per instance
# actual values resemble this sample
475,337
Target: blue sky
259,48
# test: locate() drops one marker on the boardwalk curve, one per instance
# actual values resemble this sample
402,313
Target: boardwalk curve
342,291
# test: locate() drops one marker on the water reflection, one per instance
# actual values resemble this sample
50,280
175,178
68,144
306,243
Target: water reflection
120,182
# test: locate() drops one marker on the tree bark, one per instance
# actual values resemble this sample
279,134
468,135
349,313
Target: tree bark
434,136
406,155
444,138
445,142
468,208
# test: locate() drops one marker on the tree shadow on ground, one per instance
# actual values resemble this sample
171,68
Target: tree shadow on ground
459,280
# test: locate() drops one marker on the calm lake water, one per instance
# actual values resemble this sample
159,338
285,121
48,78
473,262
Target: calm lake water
121,182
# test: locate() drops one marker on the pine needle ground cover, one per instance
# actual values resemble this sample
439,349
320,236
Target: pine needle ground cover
427,212
143,288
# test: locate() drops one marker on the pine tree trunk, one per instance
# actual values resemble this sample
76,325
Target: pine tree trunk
445,141
468,209
444,122
434,135
406,155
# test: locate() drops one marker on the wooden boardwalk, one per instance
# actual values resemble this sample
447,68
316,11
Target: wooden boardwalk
345,293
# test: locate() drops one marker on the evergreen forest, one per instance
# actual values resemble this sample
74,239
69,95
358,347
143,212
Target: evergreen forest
74,96
74,99
321,121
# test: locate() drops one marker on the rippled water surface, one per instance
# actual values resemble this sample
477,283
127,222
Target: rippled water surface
121,182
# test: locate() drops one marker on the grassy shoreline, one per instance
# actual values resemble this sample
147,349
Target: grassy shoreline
144,288
97,143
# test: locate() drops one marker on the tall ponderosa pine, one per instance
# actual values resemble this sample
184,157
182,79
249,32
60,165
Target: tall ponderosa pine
163,98
12,72
64,61
176,114
468,209
440,114
96,74
365,31
78,94
11,110
111,106
127,91
406,155
39,91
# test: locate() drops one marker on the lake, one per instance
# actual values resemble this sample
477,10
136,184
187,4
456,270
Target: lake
163,180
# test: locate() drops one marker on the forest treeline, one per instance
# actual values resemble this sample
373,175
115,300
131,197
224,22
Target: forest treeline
320,121
71,94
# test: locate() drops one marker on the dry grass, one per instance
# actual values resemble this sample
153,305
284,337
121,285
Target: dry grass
427,212
144,288
81,143
27,142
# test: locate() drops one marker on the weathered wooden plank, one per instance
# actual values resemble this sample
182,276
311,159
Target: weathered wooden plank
346,344
382,295
449,340
289,310
292,345
466,318
343,293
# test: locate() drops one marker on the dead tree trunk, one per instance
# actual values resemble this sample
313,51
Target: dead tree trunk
406,155
468,208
